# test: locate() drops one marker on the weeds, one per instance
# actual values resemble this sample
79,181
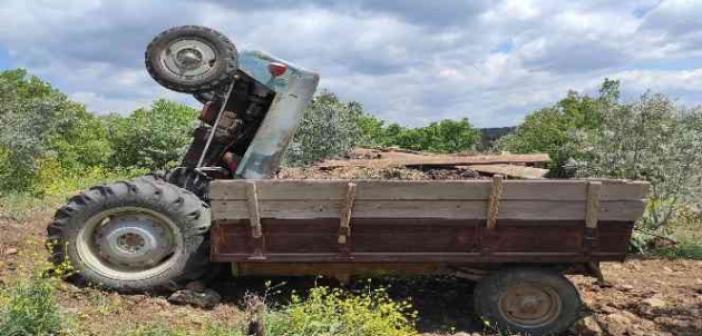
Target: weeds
29,307
208,330
327,312
56,186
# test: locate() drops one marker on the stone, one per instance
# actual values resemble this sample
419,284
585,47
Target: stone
11,251
207,299
588,326
617,324
625,288
655,302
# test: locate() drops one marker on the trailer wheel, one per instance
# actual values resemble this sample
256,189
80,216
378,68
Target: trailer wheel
531,301
191,59
136,236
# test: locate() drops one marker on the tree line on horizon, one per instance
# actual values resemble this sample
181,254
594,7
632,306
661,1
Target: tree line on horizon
45,137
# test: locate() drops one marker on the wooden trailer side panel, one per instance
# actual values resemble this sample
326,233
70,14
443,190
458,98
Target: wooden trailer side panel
424,221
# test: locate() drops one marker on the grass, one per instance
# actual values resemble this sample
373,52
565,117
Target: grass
29,307
160,330
686,230
56,186
328,311
686,249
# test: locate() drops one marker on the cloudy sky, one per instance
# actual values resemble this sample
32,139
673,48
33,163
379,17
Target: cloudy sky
409,61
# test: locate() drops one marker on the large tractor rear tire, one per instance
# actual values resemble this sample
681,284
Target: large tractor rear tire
528,301
191,59
137,236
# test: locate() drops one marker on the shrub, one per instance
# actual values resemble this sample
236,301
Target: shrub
558,130
154,138
207,330
329,128
329,312
37,121
30,308
652,140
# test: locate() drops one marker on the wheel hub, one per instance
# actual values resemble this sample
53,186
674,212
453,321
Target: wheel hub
188,58
530,305
133,241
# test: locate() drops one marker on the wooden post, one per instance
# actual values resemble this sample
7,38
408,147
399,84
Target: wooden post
254,212
345,224
593,204
494,203
592,209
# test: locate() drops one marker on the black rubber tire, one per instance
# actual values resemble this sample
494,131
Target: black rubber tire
490,289
190,215
226,59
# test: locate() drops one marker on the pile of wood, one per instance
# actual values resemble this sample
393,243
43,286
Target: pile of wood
523,166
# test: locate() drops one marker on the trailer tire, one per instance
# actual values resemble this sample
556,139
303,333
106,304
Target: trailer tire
142,235
530,301
191,59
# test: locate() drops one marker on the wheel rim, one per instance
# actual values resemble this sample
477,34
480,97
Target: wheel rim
188,58
129,243
530,305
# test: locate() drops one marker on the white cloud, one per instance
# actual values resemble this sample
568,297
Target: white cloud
408,61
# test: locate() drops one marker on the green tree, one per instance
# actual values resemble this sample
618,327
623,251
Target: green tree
329,128
153,138
652,140
557,130
443,136
39,123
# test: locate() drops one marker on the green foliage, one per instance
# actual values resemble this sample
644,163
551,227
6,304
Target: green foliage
328,312
329,128
557,130
161,330
444,136
152,138
30,308
41,129
652,140
685,248
37,121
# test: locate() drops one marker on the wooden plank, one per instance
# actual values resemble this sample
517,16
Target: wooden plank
593,204
510,170
254,211
574,190
439,160
494,203
473,209
345,225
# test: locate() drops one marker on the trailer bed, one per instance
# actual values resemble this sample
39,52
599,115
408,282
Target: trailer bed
456,222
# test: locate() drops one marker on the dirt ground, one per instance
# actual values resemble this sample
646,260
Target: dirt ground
646,296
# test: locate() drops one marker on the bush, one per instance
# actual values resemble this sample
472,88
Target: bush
38,122
154,138
329,312
30,308
558,130
652,140
159,330
329,128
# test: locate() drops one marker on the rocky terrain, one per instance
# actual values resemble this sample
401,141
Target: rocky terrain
644,297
